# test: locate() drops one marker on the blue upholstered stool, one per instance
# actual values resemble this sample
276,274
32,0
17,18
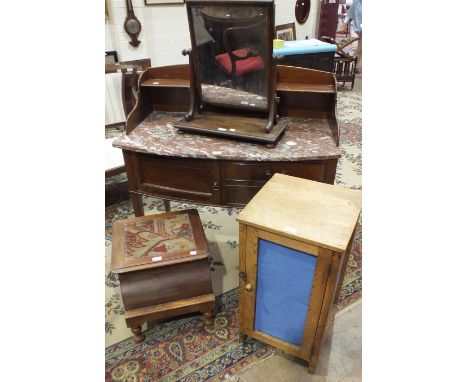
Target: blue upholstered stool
312,54
305,47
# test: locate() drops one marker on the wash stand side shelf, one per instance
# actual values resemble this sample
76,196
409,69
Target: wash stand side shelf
162,162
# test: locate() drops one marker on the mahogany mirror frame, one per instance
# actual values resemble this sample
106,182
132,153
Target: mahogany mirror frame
196,103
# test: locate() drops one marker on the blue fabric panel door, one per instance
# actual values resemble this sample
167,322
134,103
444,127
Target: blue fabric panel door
284,284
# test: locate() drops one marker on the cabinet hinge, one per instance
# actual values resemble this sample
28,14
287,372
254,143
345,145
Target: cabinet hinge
212,263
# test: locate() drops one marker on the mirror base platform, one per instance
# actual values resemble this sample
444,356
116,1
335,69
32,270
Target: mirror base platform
233,126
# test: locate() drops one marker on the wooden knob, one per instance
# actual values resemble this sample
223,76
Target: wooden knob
248,287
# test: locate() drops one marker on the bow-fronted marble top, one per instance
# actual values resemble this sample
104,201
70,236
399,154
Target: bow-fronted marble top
304,139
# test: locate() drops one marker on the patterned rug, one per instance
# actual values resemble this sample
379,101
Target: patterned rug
184,350
209,358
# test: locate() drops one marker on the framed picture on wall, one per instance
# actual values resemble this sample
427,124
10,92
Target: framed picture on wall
157,2
286,32
111,57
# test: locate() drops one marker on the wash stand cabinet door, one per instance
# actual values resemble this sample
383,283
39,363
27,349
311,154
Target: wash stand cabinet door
295,239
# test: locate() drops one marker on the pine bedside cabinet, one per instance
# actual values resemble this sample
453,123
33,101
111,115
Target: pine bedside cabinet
163,268
295,239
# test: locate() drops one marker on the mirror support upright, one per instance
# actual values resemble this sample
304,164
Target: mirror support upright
193,92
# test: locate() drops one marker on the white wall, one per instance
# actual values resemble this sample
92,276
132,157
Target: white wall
165,31
284,13
109,35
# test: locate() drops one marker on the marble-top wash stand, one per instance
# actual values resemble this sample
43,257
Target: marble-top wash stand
304,139
213,170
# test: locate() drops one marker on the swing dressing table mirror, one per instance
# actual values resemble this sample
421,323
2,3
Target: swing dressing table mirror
232,70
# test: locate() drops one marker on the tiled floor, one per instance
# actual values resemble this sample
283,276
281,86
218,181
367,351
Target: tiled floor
339,361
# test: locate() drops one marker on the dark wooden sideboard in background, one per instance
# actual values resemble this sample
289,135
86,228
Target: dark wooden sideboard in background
318,61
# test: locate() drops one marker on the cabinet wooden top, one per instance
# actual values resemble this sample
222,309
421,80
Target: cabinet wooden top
304,139
312,212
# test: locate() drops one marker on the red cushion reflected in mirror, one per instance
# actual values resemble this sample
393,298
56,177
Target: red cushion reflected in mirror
251,63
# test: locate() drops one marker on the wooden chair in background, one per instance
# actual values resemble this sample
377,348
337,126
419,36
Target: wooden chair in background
130,73
344,64
121,81
140,64
121,94
116,115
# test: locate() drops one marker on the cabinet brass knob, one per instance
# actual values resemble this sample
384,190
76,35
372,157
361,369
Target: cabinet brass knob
243,276
248,287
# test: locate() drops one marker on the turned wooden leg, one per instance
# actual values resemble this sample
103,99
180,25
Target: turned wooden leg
208,318
137,202
167,205
137,336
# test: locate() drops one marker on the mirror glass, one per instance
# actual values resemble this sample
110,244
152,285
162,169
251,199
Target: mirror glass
232,54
